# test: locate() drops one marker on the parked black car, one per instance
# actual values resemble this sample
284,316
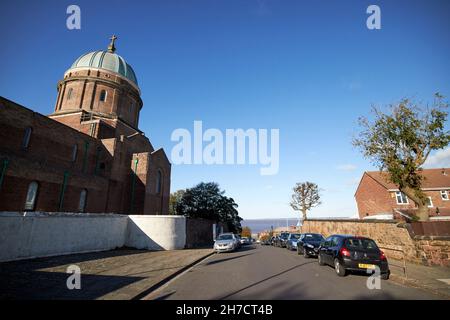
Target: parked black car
246,241
273,241
352,253
280,240
309,243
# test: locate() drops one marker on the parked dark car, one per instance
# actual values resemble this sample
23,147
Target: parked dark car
352,253
273,241
291,243
238,238
281,240
309,243
246,241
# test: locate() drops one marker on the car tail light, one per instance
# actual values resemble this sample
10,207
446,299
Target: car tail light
344,252
382,255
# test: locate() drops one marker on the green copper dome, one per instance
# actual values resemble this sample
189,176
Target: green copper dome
107,60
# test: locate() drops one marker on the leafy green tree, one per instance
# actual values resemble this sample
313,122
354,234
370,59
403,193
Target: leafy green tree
207,201
306,196
399,142
175,197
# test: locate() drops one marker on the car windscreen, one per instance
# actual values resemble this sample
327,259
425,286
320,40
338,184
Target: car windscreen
295,236
313,237
225,237
360,244
284,235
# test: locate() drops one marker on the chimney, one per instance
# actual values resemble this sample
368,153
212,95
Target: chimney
444,172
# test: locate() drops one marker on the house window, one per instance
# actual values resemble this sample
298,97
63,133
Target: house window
69,94
429,202
26,137
74,152
401,198
444,195
30,201
103,95
159,182
82,203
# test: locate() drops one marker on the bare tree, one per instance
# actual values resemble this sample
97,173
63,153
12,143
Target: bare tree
400,143
306,196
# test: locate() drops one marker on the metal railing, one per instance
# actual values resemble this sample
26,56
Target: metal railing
403,258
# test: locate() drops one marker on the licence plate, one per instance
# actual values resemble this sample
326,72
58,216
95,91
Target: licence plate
366,266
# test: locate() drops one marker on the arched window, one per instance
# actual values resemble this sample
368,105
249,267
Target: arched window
103,95
159,181
74,152
69,93
26,137
82,203
30,201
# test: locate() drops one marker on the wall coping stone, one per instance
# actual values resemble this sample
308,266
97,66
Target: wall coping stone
353,220
38,214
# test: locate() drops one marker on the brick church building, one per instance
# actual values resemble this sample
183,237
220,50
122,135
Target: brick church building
89,154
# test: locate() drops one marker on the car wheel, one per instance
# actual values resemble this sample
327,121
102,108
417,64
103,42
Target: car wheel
320,260
339,268
305,254
385,276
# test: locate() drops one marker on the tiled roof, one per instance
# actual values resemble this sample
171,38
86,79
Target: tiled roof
433,178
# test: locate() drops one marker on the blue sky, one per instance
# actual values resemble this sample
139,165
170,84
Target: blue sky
307,68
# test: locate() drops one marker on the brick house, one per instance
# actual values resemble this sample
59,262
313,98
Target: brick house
377,197
89,154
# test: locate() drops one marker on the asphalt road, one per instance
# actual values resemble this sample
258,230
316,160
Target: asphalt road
265,272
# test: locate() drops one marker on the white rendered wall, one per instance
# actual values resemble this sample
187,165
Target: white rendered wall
31,235
154,232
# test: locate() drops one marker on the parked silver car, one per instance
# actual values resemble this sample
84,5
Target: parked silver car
225,242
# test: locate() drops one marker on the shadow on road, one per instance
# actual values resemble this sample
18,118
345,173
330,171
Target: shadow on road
266,279
226,259
246,248
41,285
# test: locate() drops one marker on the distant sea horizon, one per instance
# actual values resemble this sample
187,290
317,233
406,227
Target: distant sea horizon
259,225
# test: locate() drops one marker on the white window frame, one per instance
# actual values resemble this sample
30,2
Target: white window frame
446,195
399,194
431,203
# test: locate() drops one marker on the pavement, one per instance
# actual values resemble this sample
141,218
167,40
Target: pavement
122,274
269,273
433,279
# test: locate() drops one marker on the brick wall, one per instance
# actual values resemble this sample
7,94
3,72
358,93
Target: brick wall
199,232
102,166
428,250
85,87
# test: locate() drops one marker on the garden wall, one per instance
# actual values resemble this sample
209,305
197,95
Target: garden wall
428,249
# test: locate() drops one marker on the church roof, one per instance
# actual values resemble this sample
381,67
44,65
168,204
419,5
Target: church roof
106,60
